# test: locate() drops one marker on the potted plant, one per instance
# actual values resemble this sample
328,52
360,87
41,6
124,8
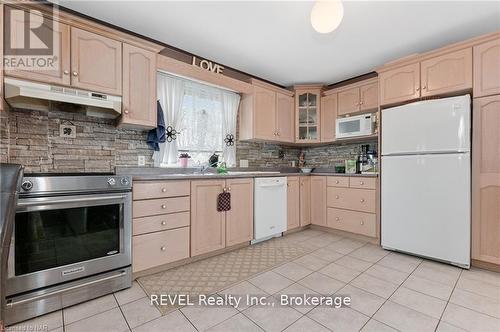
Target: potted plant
183,158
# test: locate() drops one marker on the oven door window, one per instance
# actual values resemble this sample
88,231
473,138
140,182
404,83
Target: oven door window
52,238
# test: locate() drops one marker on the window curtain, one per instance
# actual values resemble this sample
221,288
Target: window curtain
170,94
230,104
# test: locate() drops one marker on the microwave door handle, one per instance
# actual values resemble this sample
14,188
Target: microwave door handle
27,202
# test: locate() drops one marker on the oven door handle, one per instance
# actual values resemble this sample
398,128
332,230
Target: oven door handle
64,290
26,202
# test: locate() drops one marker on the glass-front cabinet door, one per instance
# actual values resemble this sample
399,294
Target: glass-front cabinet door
307,104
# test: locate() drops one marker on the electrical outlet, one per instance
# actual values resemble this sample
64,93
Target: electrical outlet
141,161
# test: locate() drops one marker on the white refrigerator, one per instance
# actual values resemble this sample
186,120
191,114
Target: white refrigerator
425,179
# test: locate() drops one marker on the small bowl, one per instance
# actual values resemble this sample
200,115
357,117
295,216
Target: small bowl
306,170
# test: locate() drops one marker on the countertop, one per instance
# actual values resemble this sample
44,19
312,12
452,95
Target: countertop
154,173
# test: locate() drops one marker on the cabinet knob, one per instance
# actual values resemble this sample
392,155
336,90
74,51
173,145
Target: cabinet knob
362,222
336,196
362,200
424,87
361,183
163,190
337,219
125,111
418,89
163,248
75,73
163,223
228,188
66,72
337,182
163,206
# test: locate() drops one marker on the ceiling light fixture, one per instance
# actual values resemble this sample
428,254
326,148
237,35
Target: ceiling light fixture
326,15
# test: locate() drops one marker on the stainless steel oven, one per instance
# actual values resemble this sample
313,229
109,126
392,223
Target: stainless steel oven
71,242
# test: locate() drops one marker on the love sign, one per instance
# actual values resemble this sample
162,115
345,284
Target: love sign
208,65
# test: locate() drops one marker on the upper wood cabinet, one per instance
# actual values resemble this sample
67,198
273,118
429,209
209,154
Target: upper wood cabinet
318,200
208,226
2,106
400,84
307,114
60,32
293,202
96,62
267,114
446,73
486,180
239,220
139,87
305,200
285,120
358,99
328,117
487,68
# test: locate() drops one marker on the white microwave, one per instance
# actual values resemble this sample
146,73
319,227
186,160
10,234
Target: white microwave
352,126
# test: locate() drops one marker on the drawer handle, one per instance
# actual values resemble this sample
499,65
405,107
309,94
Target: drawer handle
337,197
362,222
163,248
163,206
163,190
362,200
361,183
163,223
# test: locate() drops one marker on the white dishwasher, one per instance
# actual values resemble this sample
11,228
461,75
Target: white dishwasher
270,208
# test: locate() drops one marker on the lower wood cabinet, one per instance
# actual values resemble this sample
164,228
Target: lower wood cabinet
352,221
486,180
213,230
293,202
318,200
305,200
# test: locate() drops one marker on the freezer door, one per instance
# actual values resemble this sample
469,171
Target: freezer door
441,125
425,206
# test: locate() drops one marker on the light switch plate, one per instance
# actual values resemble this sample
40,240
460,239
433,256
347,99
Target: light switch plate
243,163
141,161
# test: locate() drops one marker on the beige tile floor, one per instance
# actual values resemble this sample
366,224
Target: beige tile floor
389,292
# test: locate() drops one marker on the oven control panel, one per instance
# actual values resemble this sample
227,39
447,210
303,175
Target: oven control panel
61,184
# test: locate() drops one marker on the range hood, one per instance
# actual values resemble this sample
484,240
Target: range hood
38,96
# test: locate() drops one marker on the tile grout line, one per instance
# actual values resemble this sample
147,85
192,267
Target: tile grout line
190,322
448,301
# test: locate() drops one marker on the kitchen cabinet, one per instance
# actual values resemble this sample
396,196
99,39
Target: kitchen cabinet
96,62
285,119
213,230
328,117
208,226
293,202
267,114
305,200
60,32
239,220
486,180
139,87
446,73
400,84
487,68
318,200
2,106
307,114
352,221
358,99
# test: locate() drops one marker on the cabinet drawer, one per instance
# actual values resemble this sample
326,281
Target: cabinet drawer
160,223
352,221
362,182
152,207
337,181
150,250
352,199
160,189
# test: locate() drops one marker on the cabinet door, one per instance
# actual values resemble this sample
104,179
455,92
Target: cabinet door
265,113
96,62
285,123
293,202
307,115
1,59
447,73
318,200
486,180
58,73
487,68
208,226
305,200
349,101
139,87
400,84
369,96
239,220
328,117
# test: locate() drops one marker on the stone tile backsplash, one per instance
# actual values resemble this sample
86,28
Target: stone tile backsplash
32,138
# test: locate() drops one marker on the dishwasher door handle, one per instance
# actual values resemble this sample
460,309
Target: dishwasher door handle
268,185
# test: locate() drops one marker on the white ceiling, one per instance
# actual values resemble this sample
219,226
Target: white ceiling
275,40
